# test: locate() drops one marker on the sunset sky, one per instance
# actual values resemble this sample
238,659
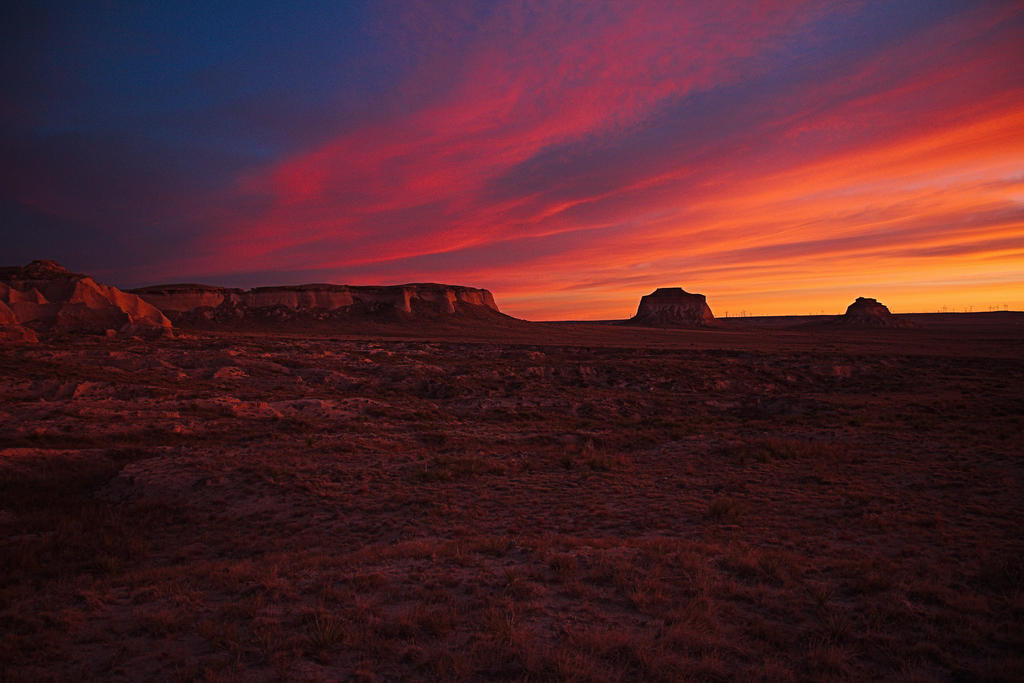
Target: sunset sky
569,156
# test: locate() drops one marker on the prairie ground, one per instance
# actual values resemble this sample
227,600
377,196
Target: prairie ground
546,502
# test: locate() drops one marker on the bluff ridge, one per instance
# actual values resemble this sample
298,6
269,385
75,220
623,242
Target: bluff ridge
199,304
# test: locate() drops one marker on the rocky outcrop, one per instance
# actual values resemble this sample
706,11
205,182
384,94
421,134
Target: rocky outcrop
11,329
866,312
673,307
196,304
45,297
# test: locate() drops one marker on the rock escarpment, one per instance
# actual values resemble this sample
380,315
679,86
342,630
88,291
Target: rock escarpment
199,304
673,307
866,312
45,297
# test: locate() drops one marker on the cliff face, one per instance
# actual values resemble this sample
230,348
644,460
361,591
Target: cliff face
199,303
673,307
45,297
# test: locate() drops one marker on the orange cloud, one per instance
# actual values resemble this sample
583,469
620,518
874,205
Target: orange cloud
572,161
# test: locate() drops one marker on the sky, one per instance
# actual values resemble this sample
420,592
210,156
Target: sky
569,156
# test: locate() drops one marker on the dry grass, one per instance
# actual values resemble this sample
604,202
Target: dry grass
384,510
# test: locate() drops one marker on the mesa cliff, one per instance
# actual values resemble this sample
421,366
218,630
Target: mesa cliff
196,304
45,297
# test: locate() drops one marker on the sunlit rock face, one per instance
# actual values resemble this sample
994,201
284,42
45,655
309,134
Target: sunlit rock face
866,312
198,303
10,328
673,307
45,297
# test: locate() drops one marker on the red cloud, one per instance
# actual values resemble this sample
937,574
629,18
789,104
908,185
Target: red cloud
836,165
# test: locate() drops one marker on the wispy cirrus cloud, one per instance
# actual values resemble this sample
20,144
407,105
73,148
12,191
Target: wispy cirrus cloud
572,156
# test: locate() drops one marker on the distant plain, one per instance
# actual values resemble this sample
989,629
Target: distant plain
527,501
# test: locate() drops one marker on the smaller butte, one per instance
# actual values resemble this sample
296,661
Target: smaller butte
673,307
867,312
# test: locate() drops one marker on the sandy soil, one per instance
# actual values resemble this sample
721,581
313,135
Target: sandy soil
541,501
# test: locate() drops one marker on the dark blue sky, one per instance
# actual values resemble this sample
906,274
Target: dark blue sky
576,142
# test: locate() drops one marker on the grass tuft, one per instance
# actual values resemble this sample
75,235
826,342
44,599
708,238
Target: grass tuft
725,509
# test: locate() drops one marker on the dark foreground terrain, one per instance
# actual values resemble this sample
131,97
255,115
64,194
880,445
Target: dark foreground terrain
572,501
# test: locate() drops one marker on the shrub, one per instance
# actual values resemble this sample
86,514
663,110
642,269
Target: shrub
325,631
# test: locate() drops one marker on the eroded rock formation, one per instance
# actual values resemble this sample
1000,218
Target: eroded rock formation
673,307
45,297
195,304
866,312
